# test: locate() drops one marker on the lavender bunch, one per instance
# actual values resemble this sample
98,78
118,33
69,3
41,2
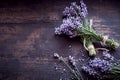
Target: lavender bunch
100,64
75,16
97,68
76,24
114,72
103,68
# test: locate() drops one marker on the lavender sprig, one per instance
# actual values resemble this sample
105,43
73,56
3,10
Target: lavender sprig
91,71
84,11
76,10
96,68
69,27
103,68
107,55
77,74
102,65
72,61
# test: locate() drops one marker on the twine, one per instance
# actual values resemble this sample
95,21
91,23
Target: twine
105,38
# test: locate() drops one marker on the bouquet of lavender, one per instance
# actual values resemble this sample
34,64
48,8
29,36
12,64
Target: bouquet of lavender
75,24
107,67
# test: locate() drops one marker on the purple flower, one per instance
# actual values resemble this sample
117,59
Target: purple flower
90,71
97,67
72,61
102,65
75,15
69,27
70,11
106,55
76,10
84,11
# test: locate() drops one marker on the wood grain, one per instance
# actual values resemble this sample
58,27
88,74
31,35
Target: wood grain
27,40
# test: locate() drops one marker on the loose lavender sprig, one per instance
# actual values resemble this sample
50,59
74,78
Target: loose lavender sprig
72,61
96,68
56,55
77,74
100,64
102,68
107,55
91,71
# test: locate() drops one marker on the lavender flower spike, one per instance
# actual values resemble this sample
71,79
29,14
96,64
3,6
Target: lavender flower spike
90,71
75,15
107,55
69,27
102,65
72,61
84,11
76,10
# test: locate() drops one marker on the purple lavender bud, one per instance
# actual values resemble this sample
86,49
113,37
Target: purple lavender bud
73,4
69,27
58,31
106,55
90,71
75,15
66,11
72,61
84,11
70,10
76,10
56,55
98,63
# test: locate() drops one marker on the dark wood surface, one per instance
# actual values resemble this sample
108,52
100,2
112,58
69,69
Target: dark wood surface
27,40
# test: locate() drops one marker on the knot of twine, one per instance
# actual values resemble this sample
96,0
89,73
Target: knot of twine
105,38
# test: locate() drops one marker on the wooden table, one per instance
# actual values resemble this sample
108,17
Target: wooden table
27,40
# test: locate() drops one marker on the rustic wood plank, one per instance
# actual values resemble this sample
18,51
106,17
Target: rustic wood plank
27,40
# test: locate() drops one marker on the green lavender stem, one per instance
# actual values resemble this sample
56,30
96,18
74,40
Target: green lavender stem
78,73
114,73
111,43
73,71
87,41
90,32
90,47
